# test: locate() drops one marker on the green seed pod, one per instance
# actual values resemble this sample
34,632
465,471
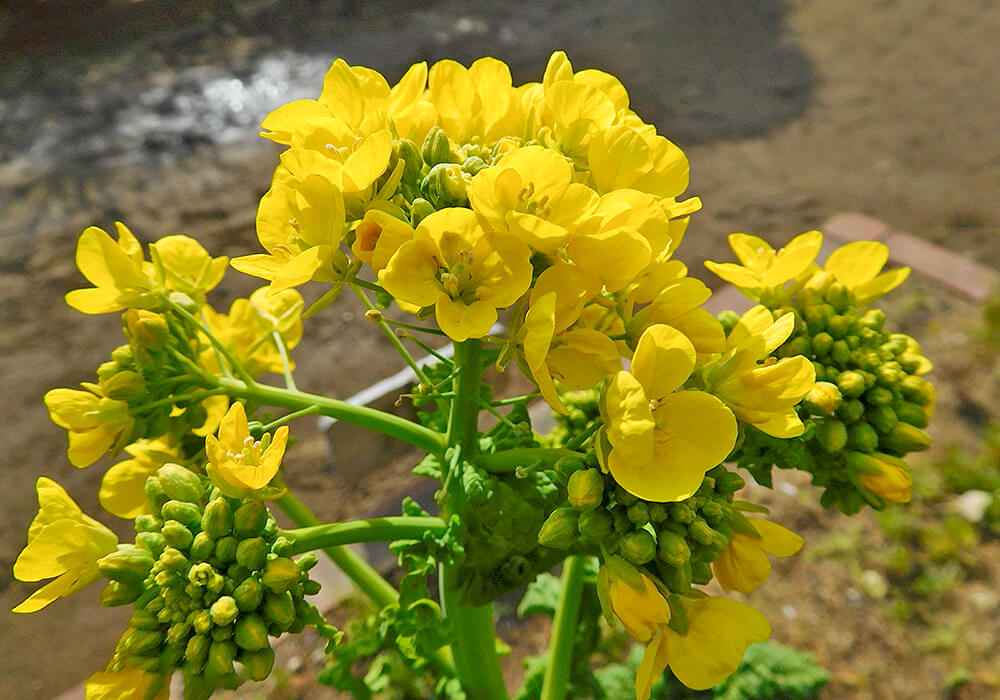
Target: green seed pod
831,435
436,147
280,574
152,542
224,611
841,353
180,484
638,513
883,418
823,399
117,593
202,548
585,489
252,553
188,514
672,549
258,664
248,595
251,632
220,659
559,530
862,437
638,547
142,642
250,519
176,535
225,549
911,413
822,344
155,494
217,520
595,524
311,587
851,384
279,609
906,438
127,564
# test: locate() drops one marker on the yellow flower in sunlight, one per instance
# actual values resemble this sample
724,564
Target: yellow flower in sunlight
300,224
116,270
764,273
129,684
663,441
858,264
718,632
744,564
62,543
637,603
884,475
760,390
95,424
123,486
453,264
183,265
237,463
377,238
668,297
475,102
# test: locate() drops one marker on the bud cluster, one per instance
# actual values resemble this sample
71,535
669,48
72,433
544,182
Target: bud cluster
209,581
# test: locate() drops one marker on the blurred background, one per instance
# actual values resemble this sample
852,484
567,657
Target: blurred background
791,112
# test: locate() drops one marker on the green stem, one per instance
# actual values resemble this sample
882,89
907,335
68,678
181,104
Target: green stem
387,423
392,337
509,460
286,365
473,637
556,679
387,529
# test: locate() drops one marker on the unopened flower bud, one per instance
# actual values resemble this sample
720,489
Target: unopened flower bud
179,483
258,664
559,531
823,399
252,553
225,549
473,165
147,330
118,593
701,532
638,513
250,519
728,319
280,574
373,315
127,564
595,524
187,514
413,162
224,611
672,549
838,296
906,438
446,185
250,632
911,413
862,437
221,655
279,609
585,489
436,147
638,547
851,384
831,434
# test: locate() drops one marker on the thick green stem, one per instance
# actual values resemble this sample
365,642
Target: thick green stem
473,636
556,679
509,460
394,426
402,527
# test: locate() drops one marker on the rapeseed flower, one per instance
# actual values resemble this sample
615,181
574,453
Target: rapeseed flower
123,486
764,274
127,684
744,564
95,424
858,265
238,464
117,271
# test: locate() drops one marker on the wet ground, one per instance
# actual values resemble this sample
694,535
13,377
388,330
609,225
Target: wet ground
146,111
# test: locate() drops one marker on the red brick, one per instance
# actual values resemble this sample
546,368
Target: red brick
961,274
852,226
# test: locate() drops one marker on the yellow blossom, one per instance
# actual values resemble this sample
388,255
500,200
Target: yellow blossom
62,543
760,390
128,684
641,608
377,238
744,564
892,481
454,265
858,264
237,463
765,273
123,486
663,441
116,270
475,102
95,423
182,265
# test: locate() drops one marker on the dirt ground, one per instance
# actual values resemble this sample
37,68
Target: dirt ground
789,113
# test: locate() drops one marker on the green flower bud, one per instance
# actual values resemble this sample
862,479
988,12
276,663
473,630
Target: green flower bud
822,344
202,548
817,317
252,553
838,296
831,435
224,611
473,165
911,413
221,634
672,549
248,595
152,542
658,512
251,632
147,523
878,396
638,547
280,574
676,578
851,411
311,587
124,386
701,573
123,356
872,319
258,664
823,399
839,327
862,437
796,346
918,390
201,574
176,535
107,370
585,489
196,651
127,564
620,521
682,513
910,362
237,572
307,561
413,162
420,209
851,384
143,620
177,633
279,609
148,330
446,185
180,484
559,530
868,361
141,642
220,659
906,438
201,621
638,513
117,593
883,418
250,519
225,549
155,494
701,532
154,605
436,147
841,353
187,514
595,524
728,319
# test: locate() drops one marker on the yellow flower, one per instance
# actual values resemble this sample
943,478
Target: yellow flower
762,392
237,463
892,481
183,265
351,164
663,441
764,273
675,301
530,194
62,543
129,684
95,423
116,271
718,633
744,564
475,102
123,486
300,224
623,157
637,602
453,264
378,237
858,264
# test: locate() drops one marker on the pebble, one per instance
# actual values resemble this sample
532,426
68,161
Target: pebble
971,505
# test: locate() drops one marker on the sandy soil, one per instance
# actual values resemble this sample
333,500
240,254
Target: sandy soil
789,114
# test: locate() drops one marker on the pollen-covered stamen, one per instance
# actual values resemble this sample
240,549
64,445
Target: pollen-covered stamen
451,285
